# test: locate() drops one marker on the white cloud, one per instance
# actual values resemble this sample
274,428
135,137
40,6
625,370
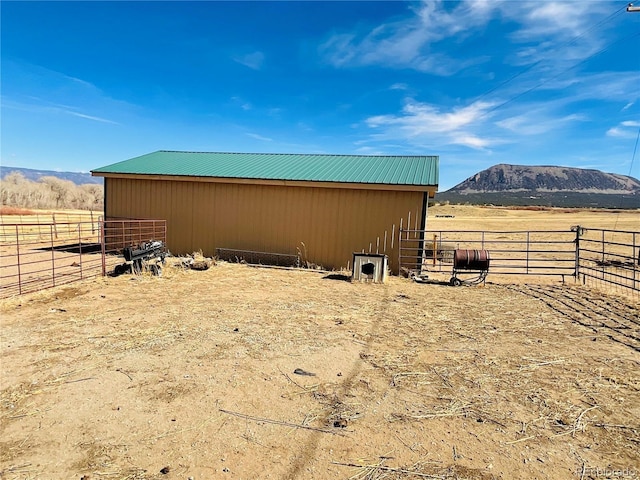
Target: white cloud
407,43
399,86
626,129
91,117
421,121
254,60
41,106
628,106
550,18
369,151
45,91
412,41
419,117
472,141
537,122
615,132
259,137
243,104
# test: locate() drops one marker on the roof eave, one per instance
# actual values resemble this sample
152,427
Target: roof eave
262,181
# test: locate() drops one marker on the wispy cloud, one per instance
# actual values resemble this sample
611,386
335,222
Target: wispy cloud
37,105
553,19
254,60
259,137
412,41
626,129
407,43
423,121
366,150
38,89
537,122
242,103
554,102
91,117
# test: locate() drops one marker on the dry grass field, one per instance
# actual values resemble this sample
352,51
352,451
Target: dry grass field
496,218
197,375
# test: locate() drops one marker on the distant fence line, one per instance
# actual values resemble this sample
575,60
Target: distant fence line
592,255
62,223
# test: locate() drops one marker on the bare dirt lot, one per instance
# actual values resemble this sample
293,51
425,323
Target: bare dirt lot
192,375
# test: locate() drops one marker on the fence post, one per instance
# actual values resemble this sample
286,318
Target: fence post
53,258
400,249
528,247
602,268
102,248
435,248
80,248
635,270
18,256
576,273
55,227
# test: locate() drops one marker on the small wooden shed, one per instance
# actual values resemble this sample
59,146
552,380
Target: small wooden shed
321,207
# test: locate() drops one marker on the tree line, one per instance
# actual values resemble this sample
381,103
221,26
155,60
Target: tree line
49,193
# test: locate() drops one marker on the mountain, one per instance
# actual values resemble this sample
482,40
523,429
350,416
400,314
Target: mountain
546,186
35,175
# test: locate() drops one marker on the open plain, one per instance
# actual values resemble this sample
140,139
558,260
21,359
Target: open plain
244,372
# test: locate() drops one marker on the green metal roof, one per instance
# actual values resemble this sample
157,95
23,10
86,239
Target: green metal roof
388,170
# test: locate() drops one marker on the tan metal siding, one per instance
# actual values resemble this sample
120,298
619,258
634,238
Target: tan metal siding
332,223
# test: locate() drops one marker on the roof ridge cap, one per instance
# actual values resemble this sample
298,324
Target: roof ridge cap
354,155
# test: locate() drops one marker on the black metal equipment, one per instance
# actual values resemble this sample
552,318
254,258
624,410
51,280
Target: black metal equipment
146,256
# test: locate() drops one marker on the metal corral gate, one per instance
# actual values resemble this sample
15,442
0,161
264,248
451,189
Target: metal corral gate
35,256
609,256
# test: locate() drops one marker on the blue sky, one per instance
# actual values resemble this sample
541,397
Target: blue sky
86,84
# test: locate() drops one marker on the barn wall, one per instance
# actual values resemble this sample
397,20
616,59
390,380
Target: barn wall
332,223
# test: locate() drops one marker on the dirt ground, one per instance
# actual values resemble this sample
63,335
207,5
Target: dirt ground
193,375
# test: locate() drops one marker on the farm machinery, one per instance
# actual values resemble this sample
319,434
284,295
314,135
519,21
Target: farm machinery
147,256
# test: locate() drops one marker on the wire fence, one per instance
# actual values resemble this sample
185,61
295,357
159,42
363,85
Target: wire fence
594,256
35,256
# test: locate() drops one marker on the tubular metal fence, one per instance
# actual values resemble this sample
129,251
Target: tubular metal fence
609,257
35,256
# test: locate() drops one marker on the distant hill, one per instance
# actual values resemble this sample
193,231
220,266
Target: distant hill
546,186
35,175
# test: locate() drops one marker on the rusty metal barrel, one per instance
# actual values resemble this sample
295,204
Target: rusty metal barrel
471,260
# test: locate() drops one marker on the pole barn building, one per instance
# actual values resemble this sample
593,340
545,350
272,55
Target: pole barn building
322,207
